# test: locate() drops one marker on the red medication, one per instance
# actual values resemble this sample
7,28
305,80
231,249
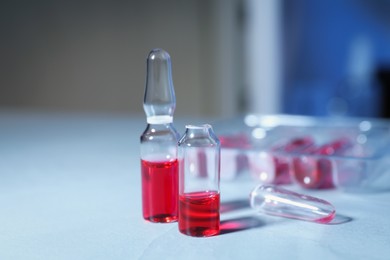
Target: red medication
199,213
282,168
199,155
158,149
160,190
316,172
313,173
282,171
298,144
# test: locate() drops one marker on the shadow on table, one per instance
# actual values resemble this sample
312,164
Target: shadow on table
239,224
234,205
340,219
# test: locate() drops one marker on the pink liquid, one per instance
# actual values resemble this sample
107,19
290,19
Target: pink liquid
282,168
160,191
238,141
313,173
199,213
298,144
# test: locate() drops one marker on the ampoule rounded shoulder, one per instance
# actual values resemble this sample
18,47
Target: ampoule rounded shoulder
199,135
160,132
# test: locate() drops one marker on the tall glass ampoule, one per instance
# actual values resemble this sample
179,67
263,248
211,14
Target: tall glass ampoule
159,164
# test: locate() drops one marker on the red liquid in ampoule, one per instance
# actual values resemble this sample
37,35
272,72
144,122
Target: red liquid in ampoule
160,191
282,167
199,213
317,173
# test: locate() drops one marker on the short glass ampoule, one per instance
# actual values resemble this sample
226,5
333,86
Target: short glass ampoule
199,175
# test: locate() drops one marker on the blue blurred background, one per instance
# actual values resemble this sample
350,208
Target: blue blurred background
337,56
311,57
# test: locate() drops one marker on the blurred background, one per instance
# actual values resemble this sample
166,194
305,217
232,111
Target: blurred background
307,57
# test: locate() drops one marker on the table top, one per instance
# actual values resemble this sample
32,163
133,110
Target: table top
70,188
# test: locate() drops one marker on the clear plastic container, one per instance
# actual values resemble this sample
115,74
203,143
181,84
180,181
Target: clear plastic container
315,153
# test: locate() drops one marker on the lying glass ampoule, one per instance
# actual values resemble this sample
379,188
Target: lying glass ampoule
276,201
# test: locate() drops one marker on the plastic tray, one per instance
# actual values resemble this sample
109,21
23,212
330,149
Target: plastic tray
315,153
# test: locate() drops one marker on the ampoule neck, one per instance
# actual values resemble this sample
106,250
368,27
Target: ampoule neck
153,128
159,119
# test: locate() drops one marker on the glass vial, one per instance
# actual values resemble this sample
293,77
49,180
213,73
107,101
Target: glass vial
159,163
199,174
276,201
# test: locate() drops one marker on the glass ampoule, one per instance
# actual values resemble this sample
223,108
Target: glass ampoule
159,163
199,175
276,201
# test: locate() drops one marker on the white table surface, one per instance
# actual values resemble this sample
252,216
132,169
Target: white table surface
70,188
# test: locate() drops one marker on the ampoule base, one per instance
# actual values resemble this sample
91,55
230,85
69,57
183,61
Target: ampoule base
199,214
160,191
